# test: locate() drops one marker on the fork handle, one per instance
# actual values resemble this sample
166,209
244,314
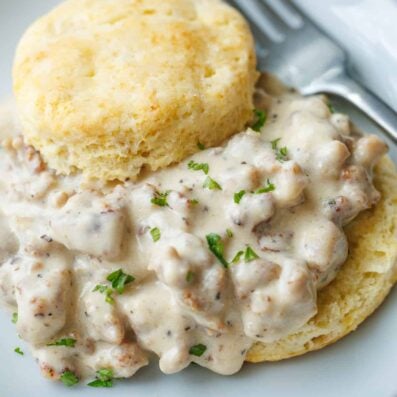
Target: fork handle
342,85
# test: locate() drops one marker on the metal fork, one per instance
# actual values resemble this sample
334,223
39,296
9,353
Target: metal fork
305,58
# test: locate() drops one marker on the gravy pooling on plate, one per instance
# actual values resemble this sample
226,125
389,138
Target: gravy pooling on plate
195,262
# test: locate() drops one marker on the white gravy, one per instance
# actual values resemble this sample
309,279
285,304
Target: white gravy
61,236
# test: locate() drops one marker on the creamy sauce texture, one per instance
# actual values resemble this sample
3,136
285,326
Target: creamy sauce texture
222,254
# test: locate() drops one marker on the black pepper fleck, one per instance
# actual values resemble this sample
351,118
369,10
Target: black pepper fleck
47,238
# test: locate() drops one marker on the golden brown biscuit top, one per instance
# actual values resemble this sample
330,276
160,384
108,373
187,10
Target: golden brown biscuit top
107,86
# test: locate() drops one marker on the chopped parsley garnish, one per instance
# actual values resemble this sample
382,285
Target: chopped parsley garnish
237,257
281,153
229,233
119,280
331,108
275,143
268,188
104,289
69,378
100,383
155,233
198,350
190,276
250,255
14,318
192,165
193,201
104,378
238,196
211,184
260,120
215,245
160,199
19,351
68,342
200,145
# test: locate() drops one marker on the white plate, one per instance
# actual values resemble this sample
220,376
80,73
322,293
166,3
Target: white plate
363,364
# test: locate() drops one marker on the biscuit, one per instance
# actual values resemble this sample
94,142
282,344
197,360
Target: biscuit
361,285
110,88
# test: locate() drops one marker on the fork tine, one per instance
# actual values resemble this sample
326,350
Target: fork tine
255,13
262,43
273,15
287,12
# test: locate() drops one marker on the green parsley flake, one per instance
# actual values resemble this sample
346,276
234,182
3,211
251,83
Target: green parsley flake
19,351
281,153
331,108
100,383
193,201
211,184
270,187
198,350
215,245
190,276
104,289
260,120
250,255
104,378
155,233
69,378
14,318
119,280
275,143
192,165
238,196
237,257
229,233
200,146
160,199
67,342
